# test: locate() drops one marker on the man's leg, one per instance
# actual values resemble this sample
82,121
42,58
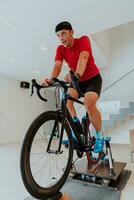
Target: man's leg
90,100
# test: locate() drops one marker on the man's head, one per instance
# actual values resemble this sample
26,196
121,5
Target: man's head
64,32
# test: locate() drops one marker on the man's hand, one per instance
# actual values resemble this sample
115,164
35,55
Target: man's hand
67,78
47,82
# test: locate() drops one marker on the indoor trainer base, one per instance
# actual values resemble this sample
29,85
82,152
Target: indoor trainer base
89,184
83,190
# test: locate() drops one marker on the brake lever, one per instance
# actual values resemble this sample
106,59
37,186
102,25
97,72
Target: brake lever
38,87
33,85
32,90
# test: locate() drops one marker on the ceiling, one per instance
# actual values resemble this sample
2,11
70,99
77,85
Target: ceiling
27,38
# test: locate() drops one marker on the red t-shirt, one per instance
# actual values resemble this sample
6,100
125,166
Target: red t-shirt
71,56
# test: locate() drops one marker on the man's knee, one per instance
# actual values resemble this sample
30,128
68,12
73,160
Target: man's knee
90,100
73,92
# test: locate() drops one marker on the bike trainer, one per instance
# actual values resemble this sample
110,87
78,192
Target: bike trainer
86,183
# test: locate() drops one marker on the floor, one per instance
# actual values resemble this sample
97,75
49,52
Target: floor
11,186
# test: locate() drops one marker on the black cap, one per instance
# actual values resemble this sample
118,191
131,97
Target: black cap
63,25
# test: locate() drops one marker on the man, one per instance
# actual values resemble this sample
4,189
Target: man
77,53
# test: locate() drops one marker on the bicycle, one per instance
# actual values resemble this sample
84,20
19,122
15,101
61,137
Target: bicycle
45,161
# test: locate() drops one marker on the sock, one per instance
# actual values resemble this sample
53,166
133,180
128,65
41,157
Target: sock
99,134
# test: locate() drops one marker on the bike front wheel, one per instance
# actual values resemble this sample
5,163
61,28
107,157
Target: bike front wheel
45,162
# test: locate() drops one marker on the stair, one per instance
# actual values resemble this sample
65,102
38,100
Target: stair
116,120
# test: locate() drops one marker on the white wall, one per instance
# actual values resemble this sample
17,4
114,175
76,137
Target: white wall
102,41
121,46
18,109
122,61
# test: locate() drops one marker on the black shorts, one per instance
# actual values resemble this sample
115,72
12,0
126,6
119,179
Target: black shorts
91,85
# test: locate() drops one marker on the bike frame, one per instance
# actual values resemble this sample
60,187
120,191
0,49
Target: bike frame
67,115
66,118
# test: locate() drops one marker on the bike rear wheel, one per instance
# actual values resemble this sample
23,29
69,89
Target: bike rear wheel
45,168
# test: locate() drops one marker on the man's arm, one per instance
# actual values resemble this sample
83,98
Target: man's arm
56,69
82,62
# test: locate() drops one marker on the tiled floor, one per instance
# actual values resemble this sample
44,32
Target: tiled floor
11,186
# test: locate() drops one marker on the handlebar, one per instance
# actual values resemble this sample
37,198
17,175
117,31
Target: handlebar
56,82
38,87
